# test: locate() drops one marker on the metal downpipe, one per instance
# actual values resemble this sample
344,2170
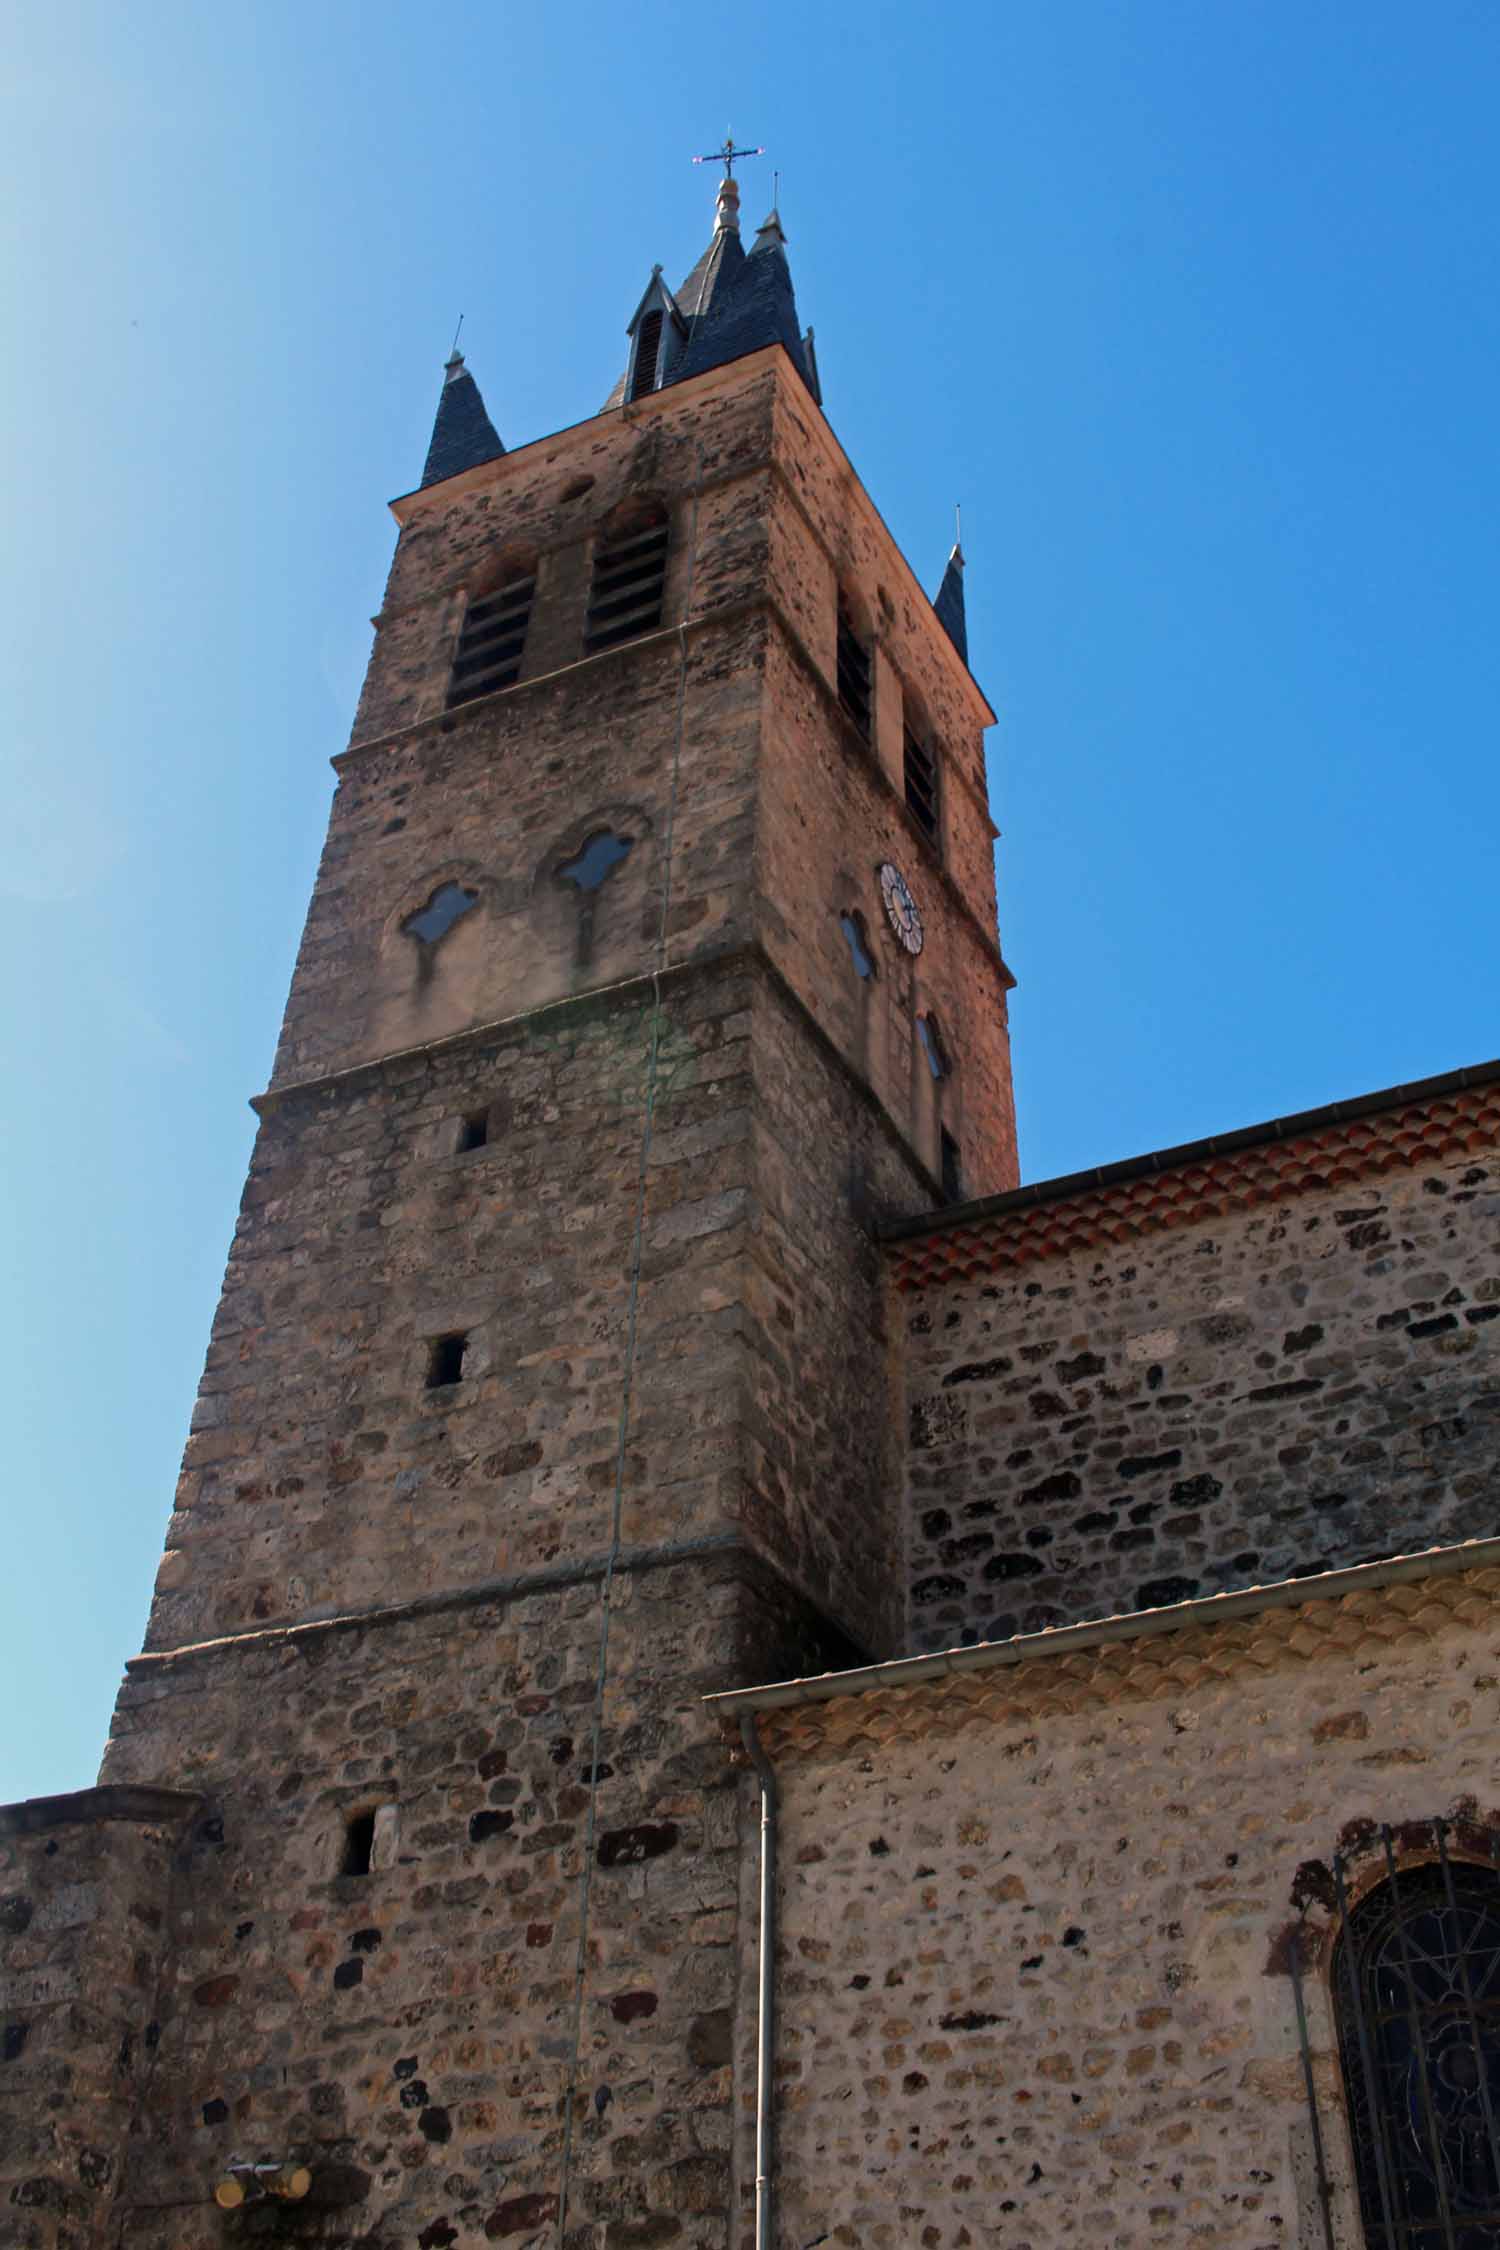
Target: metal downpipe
765,2040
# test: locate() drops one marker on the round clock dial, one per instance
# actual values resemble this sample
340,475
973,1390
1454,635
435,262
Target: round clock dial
901,907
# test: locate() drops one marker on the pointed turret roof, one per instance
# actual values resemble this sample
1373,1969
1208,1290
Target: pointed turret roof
733,303
949,604
462,433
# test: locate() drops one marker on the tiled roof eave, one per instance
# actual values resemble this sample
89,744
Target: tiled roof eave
1434,1121
1135,1656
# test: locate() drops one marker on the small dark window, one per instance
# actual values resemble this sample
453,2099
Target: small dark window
930,1034
854,673
493,639
600,856
359,1843
921,786
449,903
647,354
953,1185
853,926
630,581
445,1361
474,1132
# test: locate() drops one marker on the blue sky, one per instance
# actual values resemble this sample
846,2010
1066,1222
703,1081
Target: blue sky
1193,307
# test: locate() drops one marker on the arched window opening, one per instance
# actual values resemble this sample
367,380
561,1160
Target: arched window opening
493,639
647,355
921,777
449,903
857,936
598,859
630,580
929,1031
1416,1991
853,671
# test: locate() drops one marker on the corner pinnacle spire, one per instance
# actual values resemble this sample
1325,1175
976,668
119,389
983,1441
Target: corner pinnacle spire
949,602
462,433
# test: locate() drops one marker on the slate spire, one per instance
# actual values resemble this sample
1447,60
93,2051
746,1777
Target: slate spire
462,433
949,604
733,303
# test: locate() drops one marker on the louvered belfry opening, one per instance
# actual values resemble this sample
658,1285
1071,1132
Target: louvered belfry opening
921,786
647,355
493,638
630,580
854,673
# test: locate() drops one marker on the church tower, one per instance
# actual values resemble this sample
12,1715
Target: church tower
650,967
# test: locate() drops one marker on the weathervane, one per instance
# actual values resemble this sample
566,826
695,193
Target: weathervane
728,156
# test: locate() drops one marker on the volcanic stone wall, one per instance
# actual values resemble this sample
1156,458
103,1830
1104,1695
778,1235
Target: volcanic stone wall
1239,1400
1033,1962
408,2032
85,1884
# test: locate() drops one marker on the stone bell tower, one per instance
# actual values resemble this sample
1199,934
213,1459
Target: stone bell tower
651,962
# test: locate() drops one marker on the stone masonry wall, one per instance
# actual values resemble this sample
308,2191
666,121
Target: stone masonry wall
825,822
497,799
408,2032
84,1901
1226,1403
546,501
322,1474
1032,1972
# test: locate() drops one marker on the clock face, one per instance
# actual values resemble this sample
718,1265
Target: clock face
901,907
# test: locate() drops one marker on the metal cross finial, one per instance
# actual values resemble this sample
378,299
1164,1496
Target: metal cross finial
728,156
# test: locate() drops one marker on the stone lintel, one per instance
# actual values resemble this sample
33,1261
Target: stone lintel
148,1807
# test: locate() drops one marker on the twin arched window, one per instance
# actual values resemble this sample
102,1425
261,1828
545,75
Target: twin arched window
1416,1992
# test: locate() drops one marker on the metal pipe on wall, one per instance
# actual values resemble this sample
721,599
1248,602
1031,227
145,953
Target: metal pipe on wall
765,2038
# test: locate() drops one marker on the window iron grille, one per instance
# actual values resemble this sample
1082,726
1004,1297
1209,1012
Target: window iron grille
630,584
493,639
1416,2001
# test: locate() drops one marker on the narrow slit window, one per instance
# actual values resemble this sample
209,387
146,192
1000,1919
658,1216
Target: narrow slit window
953,1184
474,1132
647,355
445,1361
359,1843
853,926
493,639
930,1033
630,582
921,775
854,673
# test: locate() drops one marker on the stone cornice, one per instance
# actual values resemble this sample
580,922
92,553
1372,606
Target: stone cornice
859,752
748,958
146,1806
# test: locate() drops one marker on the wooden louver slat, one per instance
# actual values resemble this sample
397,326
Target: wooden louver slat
647,354
921,786
853,674
491,643
629,586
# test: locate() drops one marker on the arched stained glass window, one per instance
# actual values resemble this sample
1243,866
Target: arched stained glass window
1417,1998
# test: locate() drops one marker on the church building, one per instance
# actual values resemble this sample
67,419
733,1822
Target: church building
725,1673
